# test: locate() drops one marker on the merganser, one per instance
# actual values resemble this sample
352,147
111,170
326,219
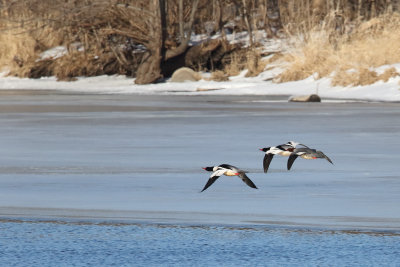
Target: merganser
306,153
282,150
228,170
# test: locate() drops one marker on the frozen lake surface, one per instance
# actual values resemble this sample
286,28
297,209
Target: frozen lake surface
103,172
139,158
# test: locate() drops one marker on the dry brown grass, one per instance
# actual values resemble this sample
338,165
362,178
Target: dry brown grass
236,63
362,76
388,73
219,76
28,29
347,57
255,65
245,59
20,46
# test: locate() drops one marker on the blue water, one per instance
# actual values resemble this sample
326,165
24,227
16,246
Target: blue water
87,244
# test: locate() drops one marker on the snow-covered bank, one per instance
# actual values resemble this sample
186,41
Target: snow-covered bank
261,85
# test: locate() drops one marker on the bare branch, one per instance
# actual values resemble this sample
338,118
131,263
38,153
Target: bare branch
181,23
186,38
138,38
136,9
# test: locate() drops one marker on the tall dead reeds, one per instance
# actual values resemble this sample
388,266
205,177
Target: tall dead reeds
346,54
27,29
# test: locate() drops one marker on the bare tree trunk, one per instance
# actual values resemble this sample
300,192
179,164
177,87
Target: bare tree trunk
153,61
149,70
389,7
373,8
217,16
359,9
181,24
308,12
185,36
267,24
274,14
245,16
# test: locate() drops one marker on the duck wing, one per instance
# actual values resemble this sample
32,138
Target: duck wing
303,145
214,176
227,166
247,180
267,161
326,157
291,159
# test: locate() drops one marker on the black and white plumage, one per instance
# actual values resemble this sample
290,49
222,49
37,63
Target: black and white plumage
306,153
282,150
228,170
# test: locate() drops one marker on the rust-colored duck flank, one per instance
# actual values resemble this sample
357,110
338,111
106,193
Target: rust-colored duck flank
306,153
228,170
282,150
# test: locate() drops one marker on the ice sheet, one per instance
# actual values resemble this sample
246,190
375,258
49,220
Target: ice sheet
139,158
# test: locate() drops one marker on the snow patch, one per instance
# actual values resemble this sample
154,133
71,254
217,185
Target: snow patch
238,85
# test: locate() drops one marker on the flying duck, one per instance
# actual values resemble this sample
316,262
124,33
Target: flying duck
306,153
282,150
228,170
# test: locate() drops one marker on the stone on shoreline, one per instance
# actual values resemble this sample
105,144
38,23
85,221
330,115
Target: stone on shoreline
305,98
185,75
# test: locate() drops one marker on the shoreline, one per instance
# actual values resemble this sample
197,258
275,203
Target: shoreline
237,86
196,219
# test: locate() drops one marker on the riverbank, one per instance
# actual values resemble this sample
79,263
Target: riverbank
261,85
